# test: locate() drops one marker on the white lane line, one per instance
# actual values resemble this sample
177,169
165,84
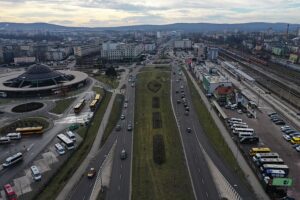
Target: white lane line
119,188
120,176
206,195
202,181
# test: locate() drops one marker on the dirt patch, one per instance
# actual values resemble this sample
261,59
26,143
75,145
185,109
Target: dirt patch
154,86
156,120
155,102
27,107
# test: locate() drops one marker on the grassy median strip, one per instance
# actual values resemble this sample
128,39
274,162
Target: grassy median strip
112,82
114,117
211,130
169,178
59,180
62,105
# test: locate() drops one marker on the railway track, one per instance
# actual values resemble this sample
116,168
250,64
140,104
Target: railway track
285,92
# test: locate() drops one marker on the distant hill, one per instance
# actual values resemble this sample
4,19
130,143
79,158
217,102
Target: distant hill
190,27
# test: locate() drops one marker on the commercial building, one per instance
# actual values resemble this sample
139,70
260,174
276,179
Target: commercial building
40,80
210,83
24,60
183,44
85,50
212,53
121,51
149,47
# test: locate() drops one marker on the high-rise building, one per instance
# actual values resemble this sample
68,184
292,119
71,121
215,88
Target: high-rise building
212,53
85,50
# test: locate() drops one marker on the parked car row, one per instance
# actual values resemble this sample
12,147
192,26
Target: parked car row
291,135
276,119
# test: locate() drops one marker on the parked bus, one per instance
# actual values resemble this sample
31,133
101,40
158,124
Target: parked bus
9,192
256,150
13,159
239,126
275,173
235,120
78,107
98,97
232,123
240,130
265,155
262,161
67,141
93,105
266,167
295,140
30,130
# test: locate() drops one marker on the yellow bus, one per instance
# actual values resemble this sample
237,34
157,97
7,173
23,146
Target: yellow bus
93,105
30,130
295,140
98,97
78,107
256,150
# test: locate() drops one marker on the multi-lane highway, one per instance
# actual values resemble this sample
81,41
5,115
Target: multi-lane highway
204,186
120,183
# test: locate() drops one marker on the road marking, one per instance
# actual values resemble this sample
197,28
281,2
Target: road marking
206,195
30,146
119,188
121,166
120,176
202,181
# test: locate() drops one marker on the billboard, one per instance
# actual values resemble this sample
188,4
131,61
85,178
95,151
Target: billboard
282,182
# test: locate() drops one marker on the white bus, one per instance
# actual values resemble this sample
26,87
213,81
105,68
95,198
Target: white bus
245,134
14,136
235,120
240,130
266,167
232,123
4,140
67,141
13,159
262,161
275,173
265,155
239,126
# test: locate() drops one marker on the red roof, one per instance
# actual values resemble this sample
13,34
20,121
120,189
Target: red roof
221,90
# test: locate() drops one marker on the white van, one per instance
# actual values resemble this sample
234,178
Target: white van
14,136
4,140
35,172
244,134
71,135
60,149
13,159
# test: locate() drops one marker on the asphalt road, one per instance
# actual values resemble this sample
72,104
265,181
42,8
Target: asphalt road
192,141
34,145
120,183
204,187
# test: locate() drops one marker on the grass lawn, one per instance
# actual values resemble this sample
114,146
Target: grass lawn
113,82
211,130
62,105
169,180
58,181
156,68
114,116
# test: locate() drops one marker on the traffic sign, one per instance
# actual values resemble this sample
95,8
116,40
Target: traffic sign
282,182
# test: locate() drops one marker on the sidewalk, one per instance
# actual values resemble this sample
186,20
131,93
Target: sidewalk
250,176
95,148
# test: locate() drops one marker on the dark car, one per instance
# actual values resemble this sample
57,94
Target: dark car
189,130
249,140
187,108
123,155
186,113
178,101
280,122
118,127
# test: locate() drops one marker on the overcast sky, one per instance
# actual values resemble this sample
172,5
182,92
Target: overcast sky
94,13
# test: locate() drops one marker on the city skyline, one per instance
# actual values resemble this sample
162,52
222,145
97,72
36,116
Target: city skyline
95,13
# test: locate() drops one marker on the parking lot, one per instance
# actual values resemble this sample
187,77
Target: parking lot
270,136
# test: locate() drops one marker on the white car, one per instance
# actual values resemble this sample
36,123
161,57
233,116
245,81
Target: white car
298,148
286,137
284,127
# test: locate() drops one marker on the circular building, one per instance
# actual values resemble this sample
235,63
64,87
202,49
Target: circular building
40,80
